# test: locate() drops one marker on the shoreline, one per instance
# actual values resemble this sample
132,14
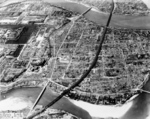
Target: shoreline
98,17
86,5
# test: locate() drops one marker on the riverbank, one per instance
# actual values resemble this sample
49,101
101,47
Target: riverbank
122,21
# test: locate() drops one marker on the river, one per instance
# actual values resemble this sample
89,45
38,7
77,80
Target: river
23,98
138,22
124,21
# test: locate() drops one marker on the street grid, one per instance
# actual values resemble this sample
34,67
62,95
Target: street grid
121,65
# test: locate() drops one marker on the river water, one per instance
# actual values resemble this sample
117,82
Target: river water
138,22
124,21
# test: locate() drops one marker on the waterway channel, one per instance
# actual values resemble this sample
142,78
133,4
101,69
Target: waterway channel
123,21
133,22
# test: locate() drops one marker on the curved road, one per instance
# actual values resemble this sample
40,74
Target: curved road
140,102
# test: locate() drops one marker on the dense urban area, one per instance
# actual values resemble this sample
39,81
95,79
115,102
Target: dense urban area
39,42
